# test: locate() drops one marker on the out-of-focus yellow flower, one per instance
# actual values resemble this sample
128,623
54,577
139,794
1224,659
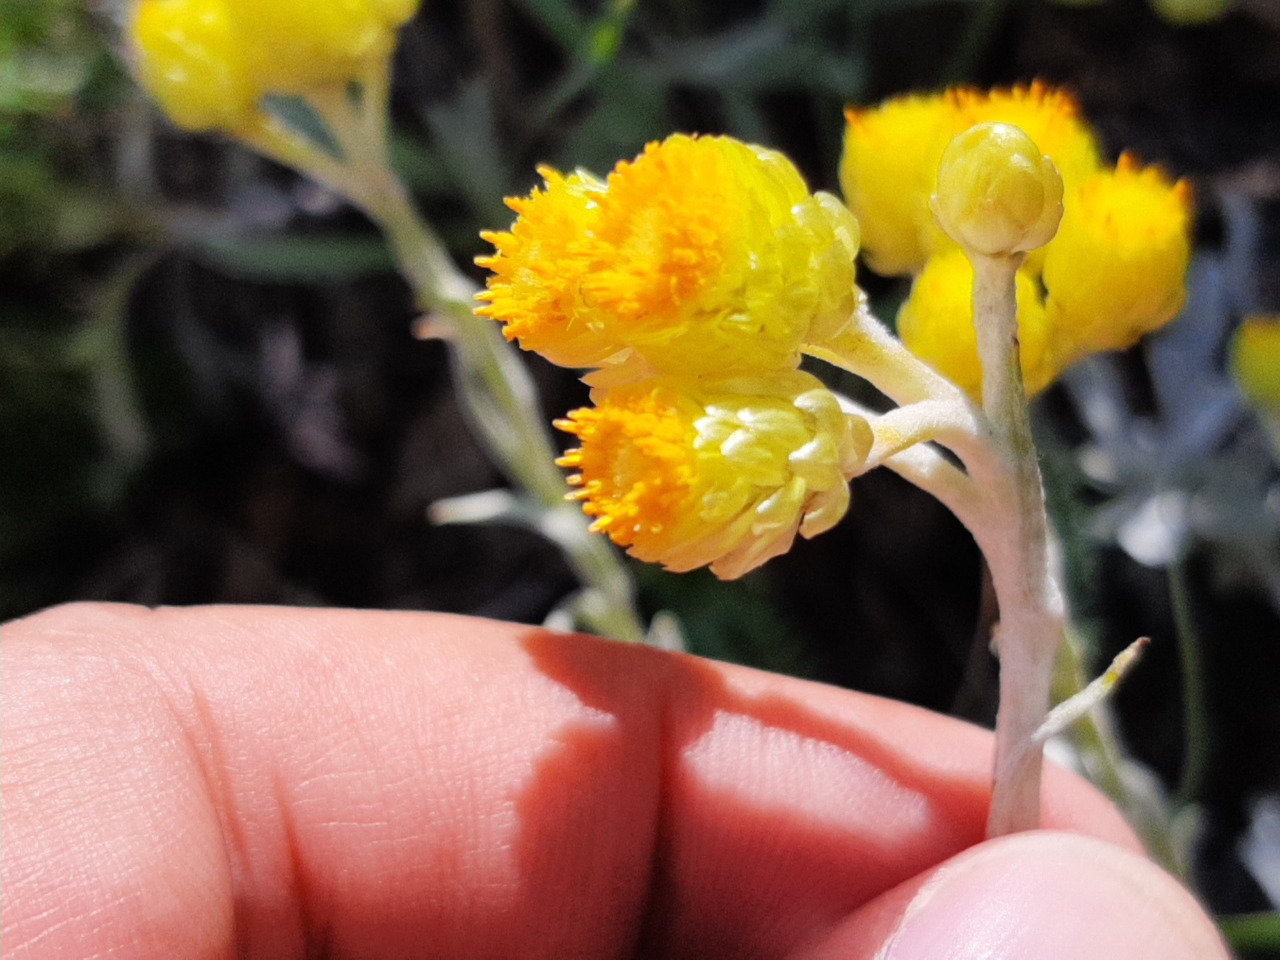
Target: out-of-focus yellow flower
1050,116
998,195
688,473
1117,268
292,46
190,59
209,62
888,173
1114,271
704,255
395,13
892,152
936,324
1255,359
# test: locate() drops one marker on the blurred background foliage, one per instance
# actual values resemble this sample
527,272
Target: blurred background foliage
210,389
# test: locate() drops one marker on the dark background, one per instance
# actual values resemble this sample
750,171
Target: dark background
209,389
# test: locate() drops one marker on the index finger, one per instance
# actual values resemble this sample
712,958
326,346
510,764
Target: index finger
285,782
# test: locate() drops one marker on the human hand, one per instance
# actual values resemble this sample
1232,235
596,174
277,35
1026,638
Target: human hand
280,782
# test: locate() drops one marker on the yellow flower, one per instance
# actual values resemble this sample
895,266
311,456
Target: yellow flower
703,255
209,62
892,152
191,61
1117,268
1255,359
292,46
688,473
936,324
395,13
997,193
888,173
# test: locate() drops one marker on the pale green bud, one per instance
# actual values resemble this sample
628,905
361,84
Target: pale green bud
997,194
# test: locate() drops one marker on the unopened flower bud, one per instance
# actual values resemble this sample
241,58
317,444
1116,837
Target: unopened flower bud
997,194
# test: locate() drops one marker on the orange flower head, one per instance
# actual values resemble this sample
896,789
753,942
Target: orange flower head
703,255
723,473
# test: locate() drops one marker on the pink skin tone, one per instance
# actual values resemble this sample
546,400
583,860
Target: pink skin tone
258,782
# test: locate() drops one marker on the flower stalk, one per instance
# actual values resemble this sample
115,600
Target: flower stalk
998,496
999,197
1016,548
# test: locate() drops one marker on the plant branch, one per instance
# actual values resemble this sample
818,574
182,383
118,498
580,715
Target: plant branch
497,392
1015,540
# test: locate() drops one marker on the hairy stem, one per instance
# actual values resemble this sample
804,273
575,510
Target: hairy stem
1015,541
497,392
502,403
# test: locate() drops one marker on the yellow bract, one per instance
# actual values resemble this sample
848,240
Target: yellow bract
703,255
1255,359
1050,117
688,473
209,62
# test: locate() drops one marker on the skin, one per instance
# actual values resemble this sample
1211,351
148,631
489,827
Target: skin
235,781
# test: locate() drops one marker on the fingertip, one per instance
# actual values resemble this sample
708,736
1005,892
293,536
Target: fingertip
1052,896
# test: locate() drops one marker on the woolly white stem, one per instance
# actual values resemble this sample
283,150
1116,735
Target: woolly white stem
1015,541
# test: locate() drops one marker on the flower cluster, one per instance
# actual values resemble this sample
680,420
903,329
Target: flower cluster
209,63
691,278
1113,272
